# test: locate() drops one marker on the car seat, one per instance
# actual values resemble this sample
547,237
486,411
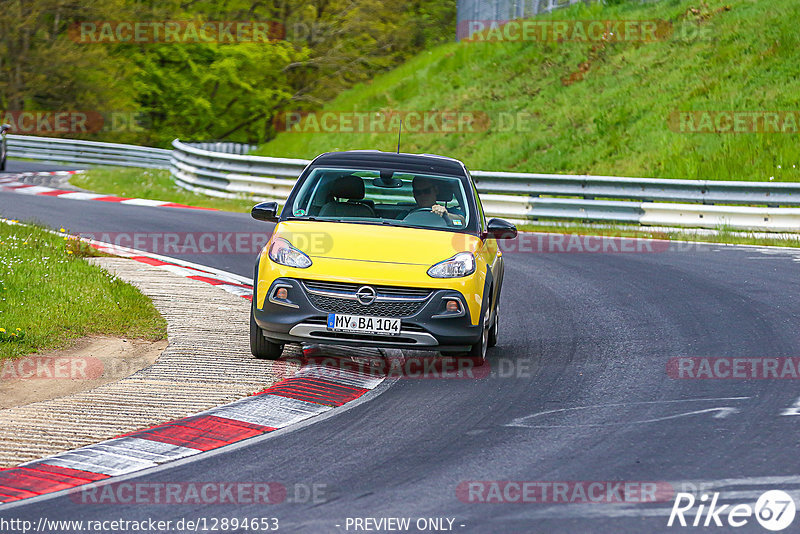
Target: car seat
350,189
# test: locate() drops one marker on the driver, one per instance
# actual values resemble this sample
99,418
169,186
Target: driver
425,193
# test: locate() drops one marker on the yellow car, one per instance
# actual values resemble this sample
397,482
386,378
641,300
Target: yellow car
380,249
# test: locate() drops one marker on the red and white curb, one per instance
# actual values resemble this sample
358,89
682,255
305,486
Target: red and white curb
12,183
313,390
232,283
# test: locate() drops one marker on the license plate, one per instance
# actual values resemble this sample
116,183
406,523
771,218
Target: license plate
361,324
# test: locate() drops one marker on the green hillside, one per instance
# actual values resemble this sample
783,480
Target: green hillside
601,108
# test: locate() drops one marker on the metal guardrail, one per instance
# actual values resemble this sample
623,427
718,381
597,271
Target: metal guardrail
644,189
234,175
226,147
77,151
526,197
521,197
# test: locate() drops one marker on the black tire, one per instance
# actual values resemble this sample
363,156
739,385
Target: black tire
260,347
493,330
477,353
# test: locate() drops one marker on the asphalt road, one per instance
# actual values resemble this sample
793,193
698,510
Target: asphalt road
579,392
14,165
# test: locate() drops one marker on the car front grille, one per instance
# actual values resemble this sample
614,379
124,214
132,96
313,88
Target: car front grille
335,297
352,307
389,291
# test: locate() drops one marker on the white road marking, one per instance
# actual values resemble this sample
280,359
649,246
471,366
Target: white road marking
81,196
269,410
721,412
236,290
35,190
181,271
794,409
144,202
342,376
99,461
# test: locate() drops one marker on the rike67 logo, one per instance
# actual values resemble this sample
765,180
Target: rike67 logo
774,510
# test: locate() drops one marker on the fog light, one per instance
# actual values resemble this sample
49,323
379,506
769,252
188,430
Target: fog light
452,306
281,293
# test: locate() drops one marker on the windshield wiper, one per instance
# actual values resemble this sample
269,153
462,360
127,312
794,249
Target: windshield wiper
310,218
386,222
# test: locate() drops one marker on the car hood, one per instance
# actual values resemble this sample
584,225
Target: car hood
374,243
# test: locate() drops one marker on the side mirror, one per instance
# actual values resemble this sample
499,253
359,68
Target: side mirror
4,128
500,229
266,211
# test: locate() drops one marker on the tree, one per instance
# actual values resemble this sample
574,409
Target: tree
42,69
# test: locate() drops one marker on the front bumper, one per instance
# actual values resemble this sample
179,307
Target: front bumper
429,327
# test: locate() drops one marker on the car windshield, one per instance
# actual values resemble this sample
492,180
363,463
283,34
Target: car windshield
382,197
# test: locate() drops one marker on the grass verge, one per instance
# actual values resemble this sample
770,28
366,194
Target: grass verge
153,184
49,295
599,108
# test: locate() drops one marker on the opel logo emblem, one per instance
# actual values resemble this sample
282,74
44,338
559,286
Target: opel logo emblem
366,295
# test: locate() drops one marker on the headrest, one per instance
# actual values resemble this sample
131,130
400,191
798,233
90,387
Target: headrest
350,187
445,192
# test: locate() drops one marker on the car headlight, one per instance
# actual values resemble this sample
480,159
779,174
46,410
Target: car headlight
282,252
462,264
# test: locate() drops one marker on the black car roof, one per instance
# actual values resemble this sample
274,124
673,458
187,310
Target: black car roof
376,158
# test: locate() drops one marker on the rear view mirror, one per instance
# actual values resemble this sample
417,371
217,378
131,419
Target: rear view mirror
266,211
387,180
5,128
500,229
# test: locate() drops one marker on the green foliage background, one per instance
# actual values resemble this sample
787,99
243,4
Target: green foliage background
49,297
201,91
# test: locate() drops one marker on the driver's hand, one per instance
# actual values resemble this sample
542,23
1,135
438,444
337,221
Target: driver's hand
439,210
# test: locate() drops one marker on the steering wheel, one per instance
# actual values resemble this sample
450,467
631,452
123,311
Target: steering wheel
446,216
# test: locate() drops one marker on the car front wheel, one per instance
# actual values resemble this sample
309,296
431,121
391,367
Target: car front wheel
478,352
261,347
494,329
